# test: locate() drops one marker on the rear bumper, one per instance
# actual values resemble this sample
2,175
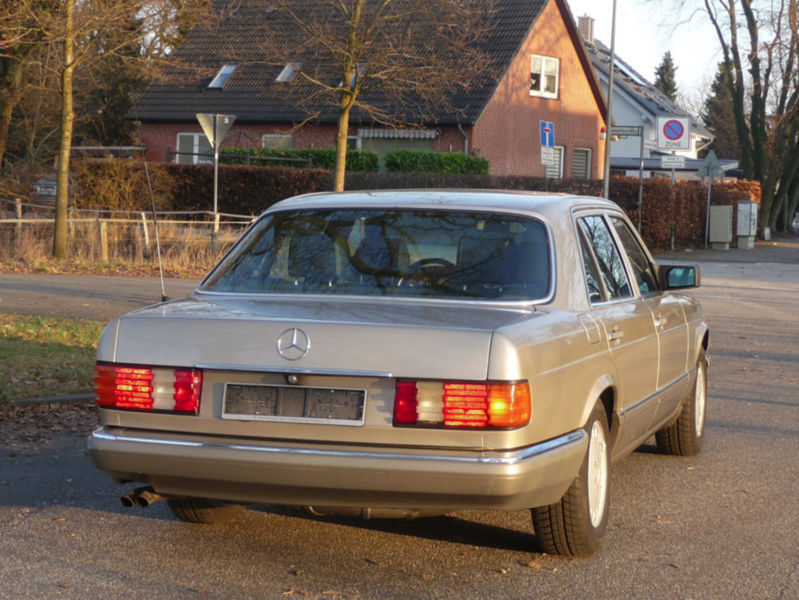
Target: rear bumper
336,476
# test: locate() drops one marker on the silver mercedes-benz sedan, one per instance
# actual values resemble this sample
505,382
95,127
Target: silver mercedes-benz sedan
402,352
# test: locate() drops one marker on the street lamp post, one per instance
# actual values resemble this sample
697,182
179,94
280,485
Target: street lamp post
609,117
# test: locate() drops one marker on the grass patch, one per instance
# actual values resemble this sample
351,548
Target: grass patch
42,356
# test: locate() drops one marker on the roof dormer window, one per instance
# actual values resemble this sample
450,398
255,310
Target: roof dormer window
219,81
288,73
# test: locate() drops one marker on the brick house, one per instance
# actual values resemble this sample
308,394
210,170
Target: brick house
542,73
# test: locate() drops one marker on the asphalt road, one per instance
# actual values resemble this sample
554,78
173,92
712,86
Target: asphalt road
720,525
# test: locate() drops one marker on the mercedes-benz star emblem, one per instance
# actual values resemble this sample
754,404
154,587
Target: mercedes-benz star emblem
293,344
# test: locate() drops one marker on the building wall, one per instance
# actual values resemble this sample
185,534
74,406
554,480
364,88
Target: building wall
159,138
508,132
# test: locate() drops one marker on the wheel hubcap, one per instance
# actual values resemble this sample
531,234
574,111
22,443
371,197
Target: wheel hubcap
597,474
699,402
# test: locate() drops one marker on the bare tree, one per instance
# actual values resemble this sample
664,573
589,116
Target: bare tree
385,61
760,46
84,34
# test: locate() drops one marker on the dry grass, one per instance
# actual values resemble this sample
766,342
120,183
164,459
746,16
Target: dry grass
186,249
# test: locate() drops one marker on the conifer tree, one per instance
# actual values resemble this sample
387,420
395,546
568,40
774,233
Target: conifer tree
664,77
718,114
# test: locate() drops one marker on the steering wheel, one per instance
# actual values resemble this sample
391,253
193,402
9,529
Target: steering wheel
433,261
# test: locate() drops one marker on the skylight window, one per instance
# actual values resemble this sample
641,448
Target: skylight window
288,73
219,81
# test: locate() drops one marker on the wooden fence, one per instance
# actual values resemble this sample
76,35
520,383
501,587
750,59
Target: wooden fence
140,229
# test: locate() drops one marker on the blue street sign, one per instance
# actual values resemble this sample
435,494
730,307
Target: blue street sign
547,134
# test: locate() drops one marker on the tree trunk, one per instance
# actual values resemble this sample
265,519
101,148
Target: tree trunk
13,79
65,144
341,144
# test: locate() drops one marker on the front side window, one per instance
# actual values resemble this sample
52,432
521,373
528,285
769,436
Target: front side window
544,74
642,268
438,254
608,257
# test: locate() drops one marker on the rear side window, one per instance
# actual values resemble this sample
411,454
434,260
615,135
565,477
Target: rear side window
608,257
390,252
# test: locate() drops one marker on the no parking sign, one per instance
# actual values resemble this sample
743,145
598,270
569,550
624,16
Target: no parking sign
674,133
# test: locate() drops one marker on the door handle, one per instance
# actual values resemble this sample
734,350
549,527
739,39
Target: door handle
615,335
660,323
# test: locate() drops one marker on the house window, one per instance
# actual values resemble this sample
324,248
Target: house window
277,141
219,81
193,149
581,166
288,73
556,171
544,76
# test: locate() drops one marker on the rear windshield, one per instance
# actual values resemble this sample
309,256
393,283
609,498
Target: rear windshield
389,253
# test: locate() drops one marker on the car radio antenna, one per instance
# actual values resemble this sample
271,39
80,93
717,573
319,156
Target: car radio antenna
164,297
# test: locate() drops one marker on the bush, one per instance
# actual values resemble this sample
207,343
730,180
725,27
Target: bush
427,161
319,158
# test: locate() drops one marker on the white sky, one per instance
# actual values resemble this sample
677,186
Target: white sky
644,33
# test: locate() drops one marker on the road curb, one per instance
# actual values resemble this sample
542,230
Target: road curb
63,399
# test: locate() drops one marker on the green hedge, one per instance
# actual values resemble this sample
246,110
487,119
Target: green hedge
427,161
317,158
669,214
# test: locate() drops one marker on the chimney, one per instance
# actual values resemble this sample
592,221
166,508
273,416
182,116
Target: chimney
585,25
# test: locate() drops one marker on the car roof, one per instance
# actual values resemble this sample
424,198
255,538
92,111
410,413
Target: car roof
544,203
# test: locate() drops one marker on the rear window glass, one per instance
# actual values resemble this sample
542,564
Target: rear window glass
389,252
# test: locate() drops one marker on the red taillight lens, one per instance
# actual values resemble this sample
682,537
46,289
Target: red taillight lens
462,404
187,390
146,388
465,405
405,403
124,387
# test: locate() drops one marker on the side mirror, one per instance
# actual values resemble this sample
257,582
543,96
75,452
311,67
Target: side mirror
678,277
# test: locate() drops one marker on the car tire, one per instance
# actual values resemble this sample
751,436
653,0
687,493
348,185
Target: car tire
685,436
574,525
202,510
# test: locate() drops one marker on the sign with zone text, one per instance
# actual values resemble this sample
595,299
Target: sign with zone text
674,133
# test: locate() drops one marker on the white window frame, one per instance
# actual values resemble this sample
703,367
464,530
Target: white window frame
277,137
222,76
540,90
589,152
195,159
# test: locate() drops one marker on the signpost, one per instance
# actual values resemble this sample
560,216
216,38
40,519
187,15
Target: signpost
626,130
672,161
674,133
215,127
634,131
549,158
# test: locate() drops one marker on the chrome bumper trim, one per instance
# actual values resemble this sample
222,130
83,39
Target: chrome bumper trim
514,458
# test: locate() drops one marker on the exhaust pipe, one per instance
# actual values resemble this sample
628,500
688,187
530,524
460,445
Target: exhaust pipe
142,496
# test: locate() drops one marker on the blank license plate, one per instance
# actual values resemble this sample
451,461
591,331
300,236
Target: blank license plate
294,404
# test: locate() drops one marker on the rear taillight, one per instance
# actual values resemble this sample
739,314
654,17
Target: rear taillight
148,388
461,404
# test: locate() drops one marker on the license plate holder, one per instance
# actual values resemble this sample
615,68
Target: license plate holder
293,404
